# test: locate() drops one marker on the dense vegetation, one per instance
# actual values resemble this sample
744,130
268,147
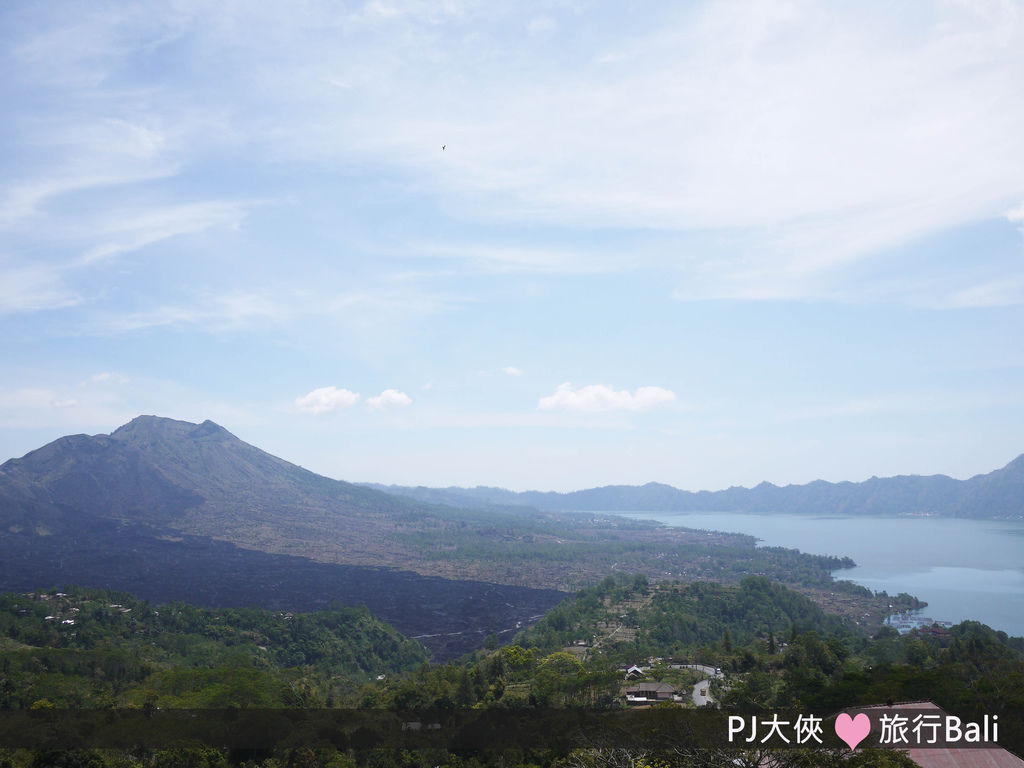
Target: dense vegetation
677,618
777,650
90,648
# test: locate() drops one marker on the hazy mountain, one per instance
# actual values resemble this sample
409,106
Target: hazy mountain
996,494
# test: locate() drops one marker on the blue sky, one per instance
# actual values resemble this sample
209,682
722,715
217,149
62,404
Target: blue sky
707,246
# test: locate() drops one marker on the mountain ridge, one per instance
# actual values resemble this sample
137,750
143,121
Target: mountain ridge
997,494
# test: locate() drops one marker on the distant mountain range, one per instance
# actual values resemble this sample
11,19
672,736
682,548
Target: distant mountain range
998,494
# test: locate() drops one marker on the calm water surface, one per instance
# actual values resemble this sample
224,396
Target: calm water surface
964,569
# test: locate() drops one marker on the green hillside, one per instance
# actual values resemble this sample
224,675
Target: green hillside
776,650
91,648
628,617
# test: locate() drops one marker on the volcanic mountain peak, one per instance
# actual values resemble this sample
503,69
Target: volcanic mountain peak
147,428
194,477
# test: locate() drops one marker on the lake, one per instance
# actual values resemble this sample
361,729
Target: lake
963,569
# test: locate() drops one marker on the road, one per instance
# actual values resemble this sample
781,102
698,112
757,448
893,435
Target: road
709,671
698,699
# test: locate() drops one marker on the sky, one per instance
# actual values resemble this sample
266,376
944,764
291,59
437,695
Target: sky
533,245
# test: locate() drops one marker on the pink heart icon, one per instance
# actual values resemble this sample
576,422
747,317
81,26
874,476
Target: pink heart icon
852,730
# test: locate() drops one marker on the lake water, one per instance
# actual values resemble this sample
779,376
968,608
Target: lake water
963,569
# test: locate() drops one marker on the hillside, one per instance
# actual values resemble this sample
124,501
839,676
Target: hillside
998,494
628,619
175,510
92,648
172,479
772,648
194,477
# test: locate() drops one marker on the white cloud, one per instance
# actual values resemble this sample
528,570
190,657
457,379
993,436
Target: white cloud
106,377
597,398
326,400
1016,215
511,370
389,398
815,134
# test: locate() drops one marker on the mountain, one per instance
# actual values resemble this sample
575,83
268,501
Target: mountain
166,472
172,510
998,494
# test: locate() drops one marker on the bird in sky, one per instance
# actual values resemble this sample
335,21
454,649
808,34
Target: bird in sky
443,146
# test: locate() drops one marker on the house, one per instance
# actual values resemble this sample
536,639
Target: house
951,755
650,693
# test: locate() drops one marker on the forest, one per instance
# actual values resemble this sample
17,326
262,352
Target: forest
94,650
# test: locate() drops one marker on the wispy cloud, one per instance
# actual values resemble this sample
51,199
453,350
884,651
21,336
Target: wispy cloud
30,288
35,407
923,401
24,199
511,370
106,377
130,230
34,399
502,259
229,311
541,25
597,398
774,122
384,301
1003,292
